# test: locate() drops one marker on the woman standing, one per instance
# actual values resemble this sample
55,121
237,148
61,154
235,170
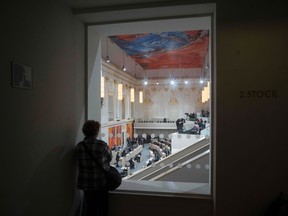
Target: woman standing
92,157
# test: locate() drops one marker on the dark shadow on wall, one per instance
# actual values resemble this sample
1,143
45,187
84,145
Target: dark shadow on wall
144,205
51,188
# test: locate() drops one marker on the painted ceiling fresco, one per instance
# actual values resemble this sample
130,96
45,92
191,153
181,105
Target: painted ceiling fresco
167,49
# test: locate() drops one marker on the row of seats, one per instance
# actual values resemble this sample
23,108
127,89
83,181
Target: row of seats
156,121
132,154
162,142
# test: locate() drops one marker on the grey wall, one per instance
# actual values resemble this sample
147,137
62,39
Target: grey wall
251,151
39,127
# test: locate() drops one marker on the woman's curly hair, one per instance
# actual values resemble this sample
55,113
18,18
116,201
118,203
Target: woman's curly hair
91,128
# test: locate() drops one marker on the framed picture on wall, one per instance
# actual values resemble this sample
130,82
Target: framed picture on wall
21,76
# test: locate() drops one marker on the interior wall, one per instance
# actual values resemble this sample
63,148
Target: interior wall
157,205
171,101
93,75
160,101
39,127
251,149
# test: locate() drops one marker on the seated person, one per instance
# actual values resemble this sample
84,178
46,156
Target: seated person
204,124
138,157
124,173
149,162
192,116
123,154
201,124
131,163
194,130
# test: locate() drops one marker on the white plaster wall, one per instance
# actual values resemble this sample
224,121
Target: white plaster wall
187,96
93,75
156,99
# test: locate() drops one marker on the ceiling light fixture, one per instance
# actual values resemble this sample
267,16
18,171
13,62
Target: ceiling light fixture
123,68
207,66
202,78
135,70
107,59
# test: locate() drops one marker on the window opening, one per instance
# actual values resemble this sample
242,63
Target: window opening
173,141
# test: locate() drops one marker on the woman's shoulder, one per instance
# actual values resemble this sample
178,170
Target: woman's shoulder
101,142
102,145
78,145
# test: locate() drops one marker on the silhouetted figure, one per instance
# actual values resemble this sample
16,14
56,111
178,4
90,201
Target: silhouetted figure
91,178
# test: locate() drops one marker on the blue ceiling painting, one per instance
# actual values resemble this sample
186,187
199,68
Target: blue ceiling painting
185,49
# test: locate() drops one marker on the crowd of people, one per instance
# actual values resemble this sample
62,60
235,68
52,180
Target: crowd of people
158,149
193,116
121,153
199,125
205,113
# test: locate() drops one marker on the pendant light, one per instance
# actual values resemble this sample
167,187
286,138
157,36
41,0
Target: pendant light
102,87
107,59
102,90
123,68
